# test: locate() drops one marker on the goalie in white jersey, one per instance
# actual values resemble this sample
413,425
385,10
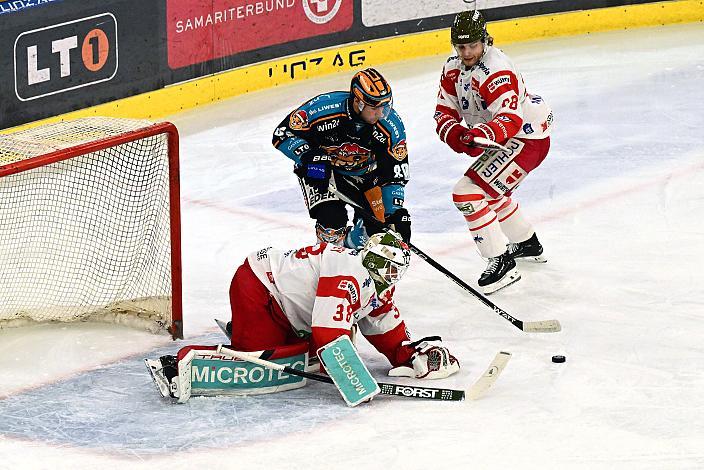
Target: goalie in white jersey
316,294
483,88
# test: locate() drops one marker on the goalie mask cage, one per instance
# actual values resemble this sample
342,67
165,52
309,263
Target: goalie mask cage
90,224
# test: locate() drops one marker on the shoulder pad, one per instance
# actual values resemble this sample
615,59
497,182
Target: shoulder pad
325,104
393,126
495,60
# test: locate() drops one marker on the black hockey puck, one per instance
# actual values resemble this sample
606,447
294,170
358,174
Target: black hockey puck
558,359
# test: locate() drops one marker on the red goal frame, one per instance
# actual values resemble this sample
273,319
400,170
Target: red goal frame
176,327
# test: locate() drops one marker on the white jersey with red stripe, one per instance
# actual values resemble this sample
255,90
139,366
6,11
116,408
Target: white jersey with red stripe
324,289
490,96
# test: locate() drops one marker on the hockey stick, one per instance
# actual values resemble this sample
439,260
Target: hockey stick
488,378
407,391
481,142
484,143
541,326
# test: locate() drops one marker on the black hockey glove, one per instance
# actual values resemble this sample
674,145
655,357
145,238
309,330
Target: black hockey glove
315,169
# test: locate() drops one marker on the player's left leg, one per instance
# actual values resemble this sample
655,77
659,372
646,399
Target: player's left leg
385,203
471,200
499,173
329,213
397,216
523,241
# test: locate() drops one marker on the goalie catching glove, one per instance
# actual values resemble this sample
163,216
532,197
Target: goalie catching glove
430,361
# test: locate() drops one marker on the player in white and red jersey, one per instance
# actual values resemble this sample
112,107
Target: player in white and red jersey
482,87
317,293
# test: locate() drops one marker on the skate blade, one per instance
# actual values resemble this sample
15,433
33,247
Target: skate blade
313,364
155,370
509,278
532,259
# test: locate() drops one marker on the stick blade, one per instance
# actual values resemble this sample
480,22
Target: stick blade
544,326
489,376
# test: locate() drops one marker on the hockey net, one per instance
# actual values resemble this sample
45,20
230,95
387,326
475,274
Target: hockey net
90,224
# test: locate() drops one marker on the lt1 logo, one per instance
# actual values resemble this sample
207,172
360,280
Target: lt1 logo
66,56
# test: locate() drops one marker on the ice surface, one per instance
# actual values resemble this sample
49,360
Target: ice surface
618,205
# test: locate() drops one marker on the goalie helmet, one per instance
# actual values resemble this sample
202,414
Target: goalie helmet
386,256
370,88
468,27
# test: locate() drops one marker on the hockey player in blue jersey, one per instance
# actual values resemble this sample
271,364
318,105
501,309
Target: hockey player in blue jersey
356,141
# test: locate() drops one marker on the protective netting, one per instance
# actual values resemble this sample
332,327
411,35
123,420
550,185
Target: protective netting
87,238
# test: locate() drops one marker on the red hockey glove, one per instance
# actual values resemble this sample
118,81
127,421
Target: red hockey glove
468,139
454,138
451,131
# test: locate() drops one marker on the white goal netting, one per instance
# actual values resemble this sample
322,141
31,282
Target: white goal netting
86,237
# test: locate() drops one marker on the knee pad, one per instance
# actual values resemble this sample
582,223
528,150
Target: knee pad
504,207
468,197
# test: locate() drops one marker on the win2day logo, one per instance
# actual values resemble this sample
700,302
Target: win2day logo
66,56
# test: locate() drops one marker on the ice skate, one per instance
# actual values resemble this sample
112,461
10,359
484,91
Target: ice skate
499,273
163,370
529,250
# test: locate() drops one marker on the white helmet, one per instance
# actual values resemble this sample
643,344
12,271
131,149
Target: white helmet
386,256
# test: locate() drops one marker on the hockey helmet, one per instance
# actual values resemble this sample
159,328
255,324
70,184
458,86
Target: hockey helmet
386,256
468,27
370,88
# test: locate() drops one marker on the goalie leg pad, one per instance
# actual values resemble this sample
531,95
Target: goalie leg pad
201,371
211,374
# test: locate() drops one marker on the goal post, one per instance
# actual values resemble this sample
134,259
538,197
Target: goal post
90,224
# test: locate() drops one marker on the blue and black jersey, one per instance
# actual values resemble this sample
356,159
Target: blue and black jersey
327,124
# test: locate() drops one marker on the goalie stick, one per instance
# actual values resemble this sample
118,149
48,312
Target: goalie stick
540,326
406,391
